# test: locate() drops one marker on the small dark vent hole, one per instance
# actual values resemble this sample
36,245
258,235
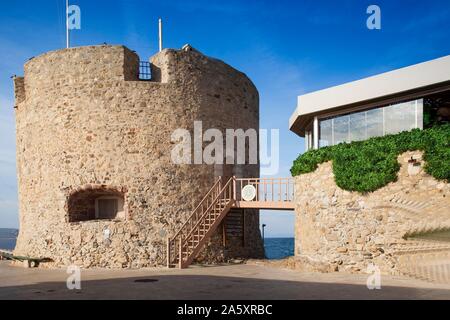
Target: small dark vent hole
145,280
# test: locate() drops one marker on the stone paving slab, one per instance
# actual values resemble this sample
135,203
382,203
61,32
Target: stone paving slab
232,282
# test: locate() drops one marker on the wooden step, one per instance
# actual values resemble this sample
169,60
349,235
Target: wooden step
195,237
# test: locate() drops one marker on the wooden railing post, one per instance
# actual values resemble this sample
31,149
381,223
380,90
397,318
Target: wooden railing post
273,189
265,190
224,234
180,259
168,252
287,191
280,190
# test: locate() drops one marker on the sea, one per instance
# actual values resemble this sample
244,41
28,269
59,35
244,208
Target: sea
279,248
7,244
8,239
276,248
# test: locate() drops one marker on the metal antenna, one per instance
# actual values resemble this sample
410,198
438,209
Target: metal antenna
67,25
160,35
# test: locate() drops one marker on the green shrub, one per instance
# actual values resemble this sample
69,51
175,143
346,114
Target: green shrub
366,166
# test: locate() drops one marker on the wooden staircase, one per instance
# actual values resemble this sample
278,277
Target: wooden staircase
201,225
269,193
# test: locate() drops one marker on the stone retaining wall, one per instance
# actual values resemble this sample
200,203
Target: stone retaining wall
349,230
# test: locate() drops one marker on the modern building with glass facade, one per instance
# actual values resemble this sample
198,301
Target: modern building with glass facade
401,100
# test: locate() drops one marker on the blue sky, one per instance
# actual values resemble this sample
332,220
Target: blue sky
287,48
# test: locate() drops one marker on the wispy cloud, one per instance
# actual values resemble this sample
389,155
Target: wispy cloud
277,77
212,6
428,20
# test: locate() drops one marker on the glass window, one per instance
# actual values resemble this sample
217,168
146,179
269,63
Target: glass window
400,117
358,126
435,109
374,123
341,129
326,133
420,114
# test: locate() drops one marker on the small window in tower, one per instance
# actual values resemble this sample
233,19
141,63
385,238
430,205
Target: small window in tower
96,204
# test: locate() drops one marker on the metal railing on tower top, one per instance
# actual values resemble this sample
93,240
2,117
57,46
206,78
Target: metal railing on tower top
145,70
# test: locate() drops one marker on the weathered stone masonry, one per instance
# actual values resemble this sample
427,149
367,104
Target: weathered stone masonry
341,230
87,125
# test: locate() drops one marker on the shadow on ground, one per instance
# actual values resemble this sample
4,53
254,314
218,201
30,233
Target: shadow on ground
192,287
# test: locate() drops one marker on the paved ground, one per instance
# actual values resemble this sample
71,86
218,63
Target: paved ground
236,282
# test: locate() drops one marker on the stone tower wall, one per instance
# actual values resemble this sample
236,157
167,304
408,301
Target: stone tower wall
85,122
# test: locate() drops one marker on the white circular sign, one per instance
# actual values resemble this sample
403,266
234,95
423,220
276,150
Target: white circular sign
249,193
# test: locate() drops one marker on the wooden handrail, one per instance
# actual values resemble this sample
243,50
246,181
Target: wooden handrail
195,210
210,207
213,208
269,189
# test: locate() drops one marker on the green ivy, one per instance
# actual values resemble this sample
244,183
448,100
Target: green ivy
366,166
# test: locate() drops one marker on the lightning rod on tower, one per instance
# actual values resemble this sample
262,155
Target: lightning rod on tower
67,25
160,35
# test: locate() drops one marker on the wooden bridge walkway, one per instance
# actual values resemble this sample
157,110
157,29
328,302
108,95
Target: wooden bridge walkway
246,193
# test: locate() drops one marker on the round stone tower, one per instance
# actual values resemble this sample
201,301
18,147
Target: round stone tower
97,184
